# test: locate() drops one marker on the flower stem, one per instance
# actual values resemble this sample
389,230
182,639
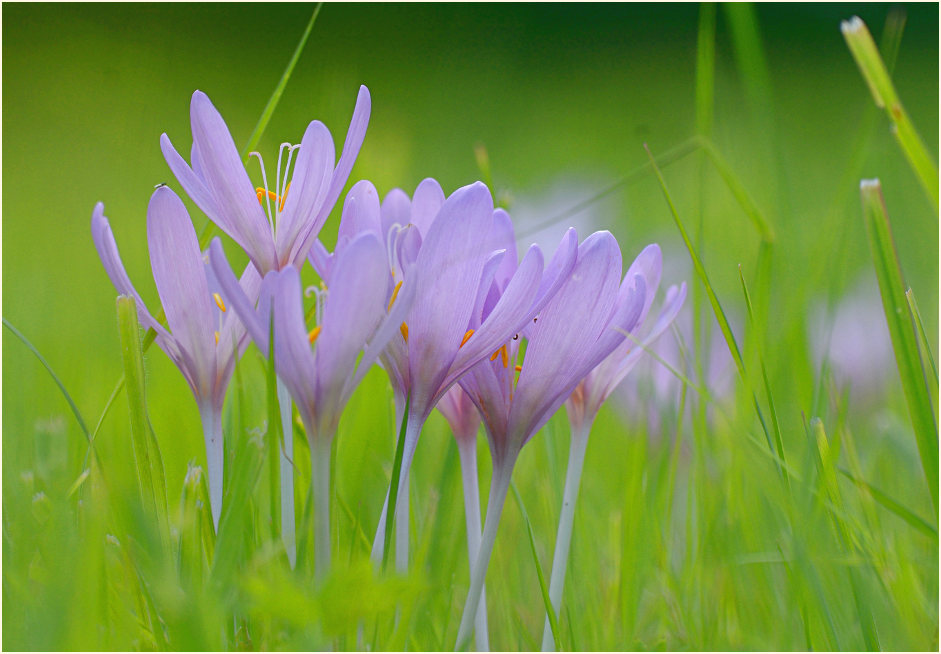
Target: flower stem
467,449
211,418
499,486
563,539
287,474
320,486
412,431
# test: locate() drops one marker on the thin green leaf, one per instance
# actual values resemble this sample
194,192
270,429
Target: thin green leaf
894,506
874,71
394,484
924,347
553,618
908,361
705,68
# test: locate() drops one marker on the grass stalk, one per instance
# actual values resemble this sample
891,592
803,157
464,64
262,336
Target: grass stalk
320,485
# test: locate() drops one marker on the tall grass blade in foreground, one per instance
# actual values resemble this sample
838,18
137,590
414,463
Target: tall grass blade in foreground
864,51
901,330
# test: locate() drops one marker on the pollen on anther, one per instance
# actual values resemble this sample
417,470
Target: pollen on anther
519,368
404,329
313,334
504,357
395,294
467,335
219,302
217,337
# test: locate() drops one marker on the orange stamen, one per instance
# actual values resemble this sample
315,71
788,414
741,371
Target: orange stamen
219,302
404,329
505,358
217,337
395,294
261,194
467,335
519,368
313,334
284,197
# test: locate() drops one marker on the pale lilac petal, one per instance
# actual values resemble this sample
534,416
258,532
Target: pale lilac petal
236,297
462,416
321,260
309,184
177,265
449,264
405,248
114,267
648,264
361,213
503,238
626,319
192,183
487,284
559,268
233,327
229,184
396,210
355,305
354,141
426,203
567,327
294,359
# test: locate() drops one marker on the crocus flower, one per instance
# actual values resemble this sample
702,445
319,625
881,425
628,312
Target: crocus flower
356,317
575,330
585,401
457,246
218,183
204,339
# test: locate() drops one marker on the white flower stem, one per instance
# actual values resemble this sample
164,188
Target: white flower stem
211,418
320,485
412,432
563,539
467,448
287,474
499,486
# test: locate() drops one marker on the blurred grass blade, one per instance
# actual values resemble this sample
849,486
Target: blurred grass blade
864,51
193,518
714,301
738,191
394,484
894,506
553,618
144,459
891,286
705,68
262,123
55,377
778,442
273,437
925,349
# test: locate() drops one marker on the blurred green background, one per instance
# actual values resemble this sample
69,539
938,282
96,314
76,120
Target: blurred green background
560,95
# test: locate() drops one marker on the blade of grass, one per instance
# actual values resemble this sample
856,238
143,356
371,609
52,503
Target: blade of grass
394,484
874,71
924,348
894,506
778,443
891,287
713,300
550,612
273,438
148,469
705,68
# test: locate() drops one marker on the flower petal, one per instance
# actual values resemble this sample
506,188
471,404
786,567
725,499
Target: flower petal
237,298
396,210
192,183
309,184
321,260
426,203
177,265
294,359
648,263
361,213
229,184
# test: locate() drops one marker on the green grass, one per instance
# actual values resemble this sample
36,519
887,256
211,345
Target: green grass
685,535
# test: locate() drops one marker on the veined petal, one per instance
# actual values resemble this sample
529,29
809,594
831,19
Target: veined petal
294,359
178,271
191,181
504,238
567,328
626,319
309,185
449,268
396,210
558,269
321,260
233,327
648,264
229,184
236,297
355,305
361,213
354,141
426,203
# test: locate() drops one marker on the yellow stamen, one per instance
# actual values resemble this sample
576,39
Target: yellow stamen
217,337
260,193
504,357
395,294
467,335
219,302
493,357
313,334
519,368
404,329
284,197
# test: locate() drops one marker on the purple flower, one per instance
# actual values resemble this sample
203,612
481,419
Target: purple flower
597,386
204,339
218,183
575,331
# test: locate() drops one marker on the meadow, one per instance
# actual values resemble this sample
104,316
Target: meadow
775,502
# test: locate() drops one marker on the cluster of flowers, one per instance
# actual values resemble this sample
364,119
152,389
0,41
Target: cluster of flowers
430,286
